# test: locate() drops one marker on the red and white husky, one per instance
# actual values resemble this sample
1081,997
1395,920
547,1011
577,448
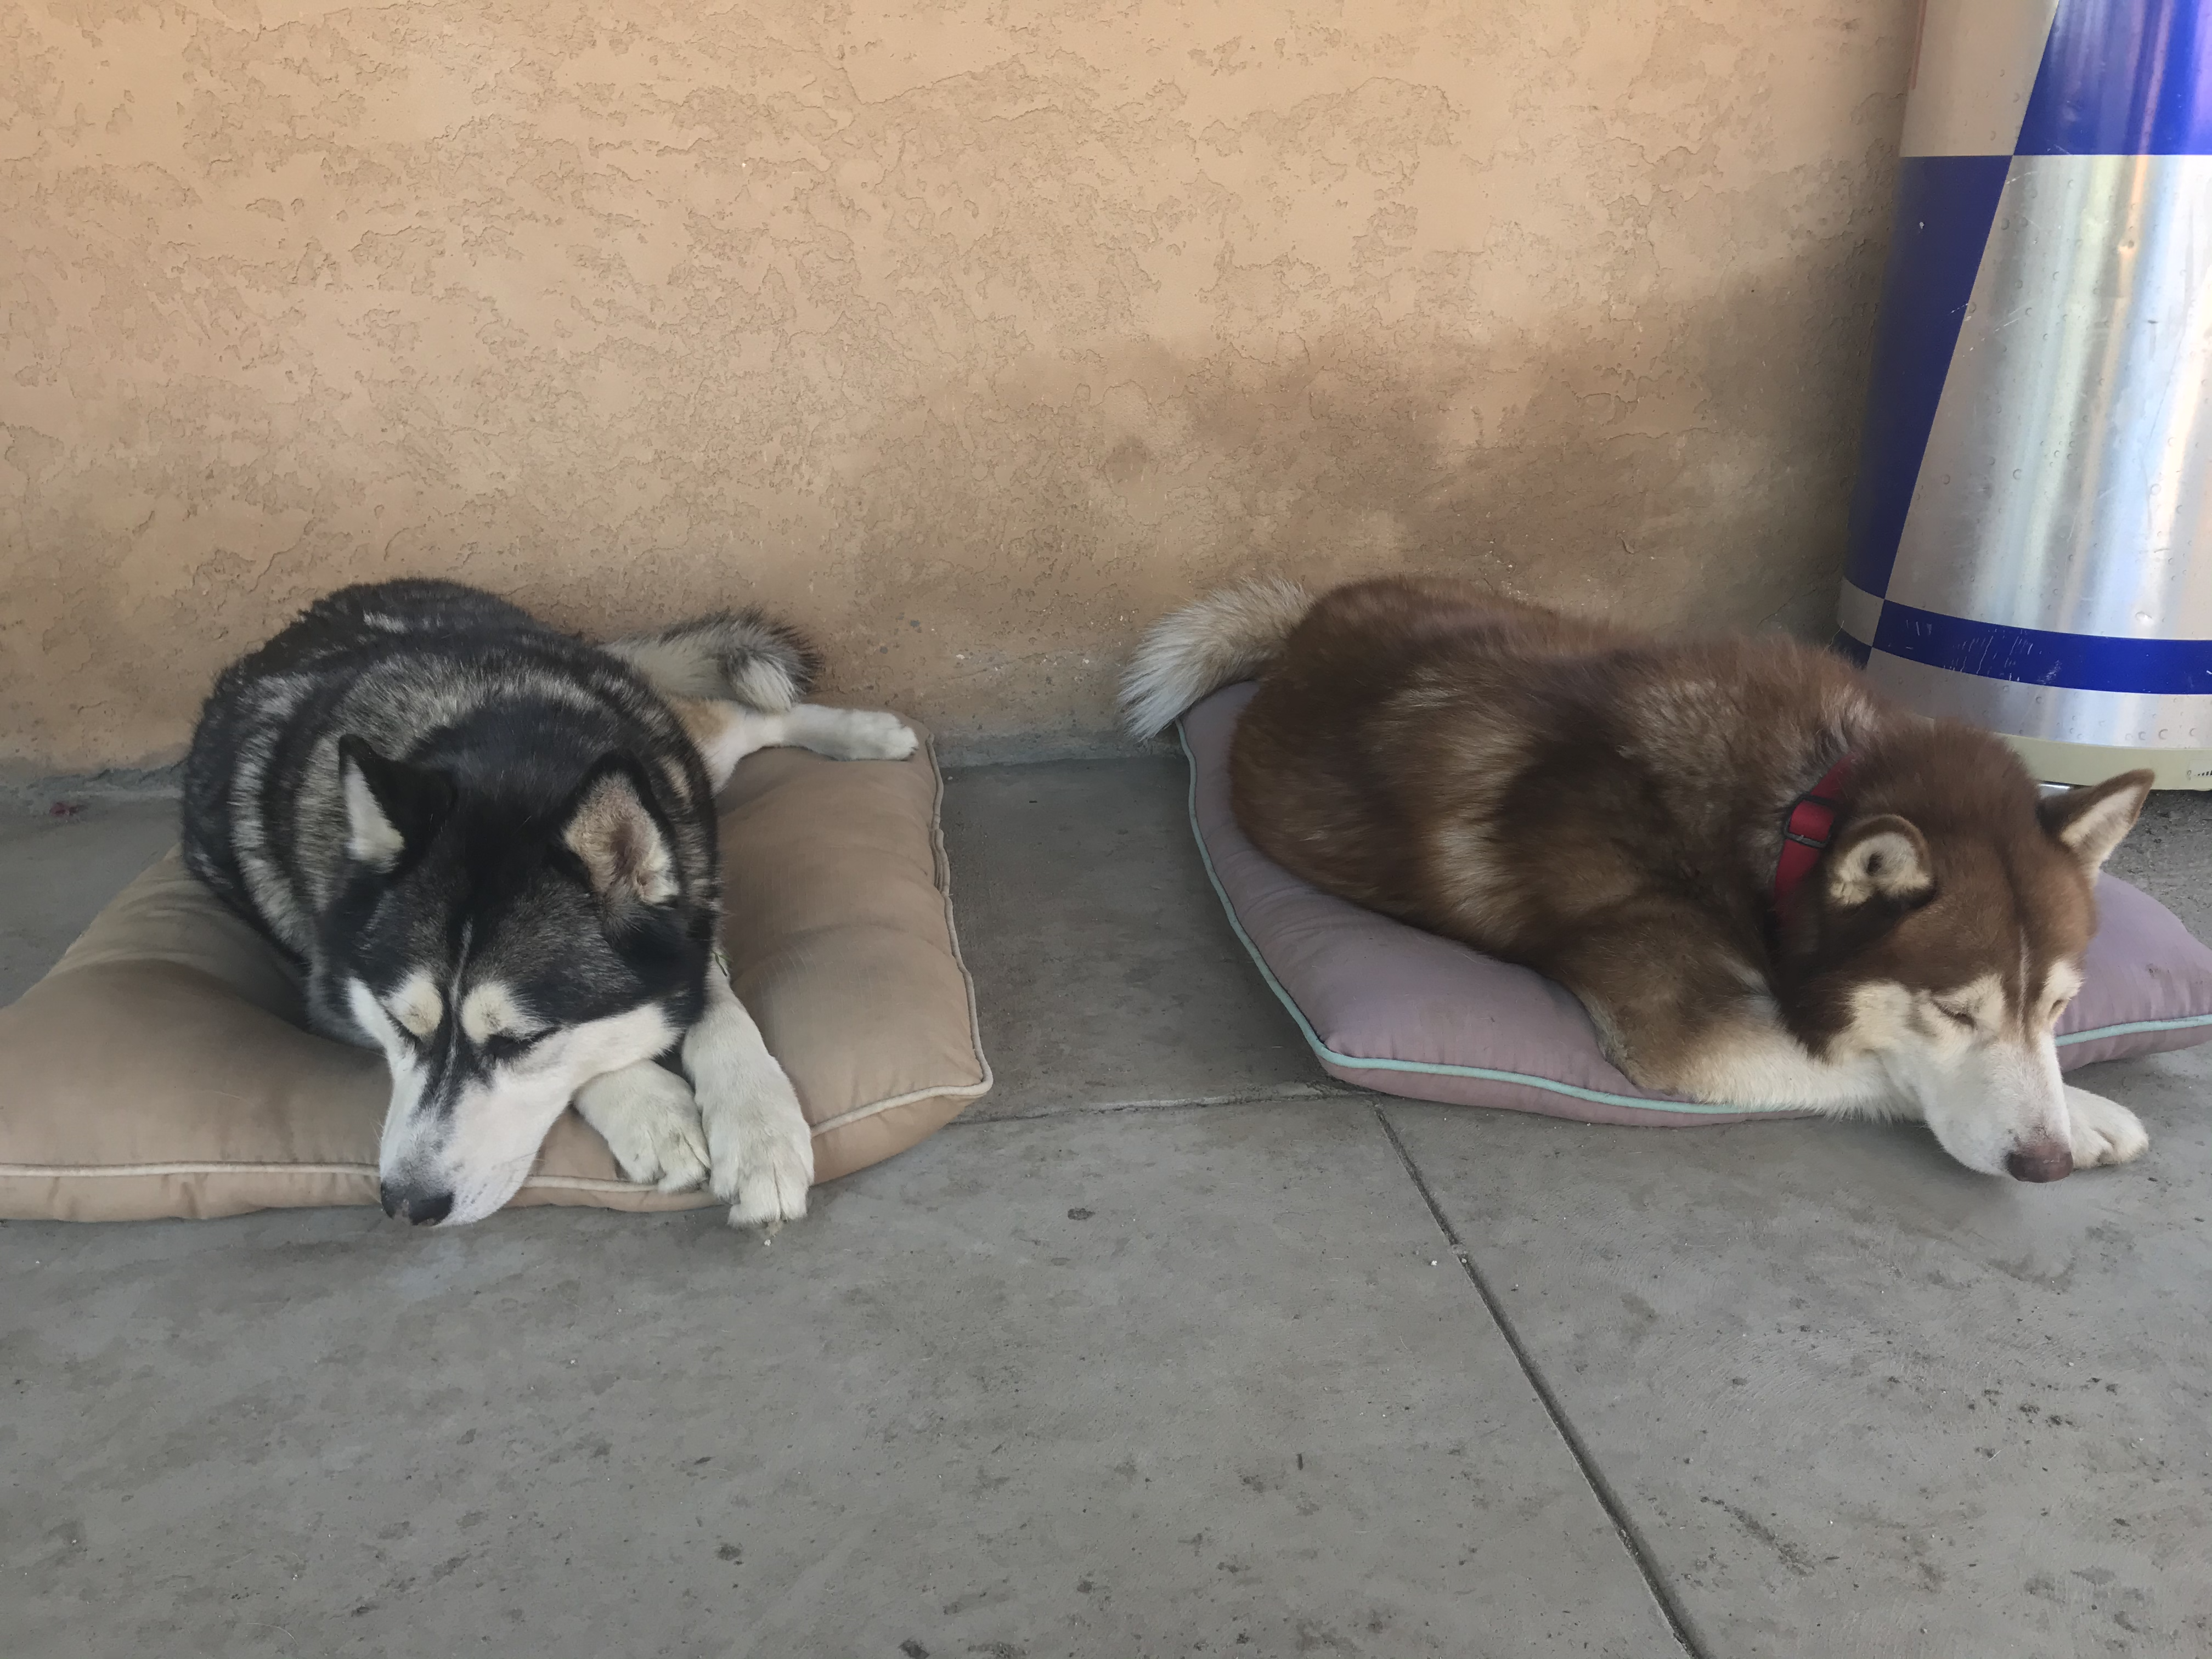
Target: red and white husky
1769,886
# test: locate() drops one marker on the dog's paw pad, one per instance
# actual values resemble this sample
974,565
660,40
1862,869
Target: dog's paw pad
2103,1130
683,1165
651,1125
768,1191
871,734
768,1203
763,1171
666,1151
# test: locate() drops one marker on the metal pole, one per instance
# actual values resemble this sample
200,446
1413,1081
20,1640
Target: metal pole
2031,539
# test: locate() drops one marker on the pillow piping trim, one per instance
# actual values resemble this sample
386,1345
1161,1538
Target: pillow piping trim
1329,1056
2188,1022
943,873
120,1172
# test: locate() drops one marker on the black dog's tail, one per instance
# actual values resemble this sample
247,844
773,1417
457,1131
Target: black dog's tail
739,654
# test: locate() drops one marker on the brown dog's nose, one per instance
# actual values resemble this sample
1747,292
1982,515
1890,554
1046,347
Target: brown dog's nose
2052,1163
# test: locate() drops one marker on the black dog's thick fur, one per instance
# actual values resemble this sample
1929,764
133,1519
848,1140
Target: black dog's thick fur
479,730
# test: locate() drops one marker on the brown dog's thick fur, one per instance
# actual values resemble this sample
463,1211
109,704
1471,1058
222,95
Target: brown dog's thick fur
1608,808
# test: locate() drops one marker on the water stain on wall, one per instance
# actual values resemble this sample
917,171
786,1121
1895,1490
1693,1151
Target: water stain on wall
971,336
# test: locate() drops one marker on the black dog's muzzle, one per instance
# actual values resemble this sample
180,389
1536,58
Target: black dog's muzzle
420,1208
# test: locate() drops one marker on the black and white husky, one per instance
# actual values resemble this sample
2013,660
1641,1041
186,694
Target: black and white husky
490,848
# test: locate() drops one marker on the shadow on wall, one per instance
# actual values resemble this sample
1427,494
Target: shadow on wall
987,556
1689,471
969,337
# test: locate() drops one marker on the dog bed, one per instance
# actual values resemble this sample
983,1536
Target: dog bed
160,1068
1393,1008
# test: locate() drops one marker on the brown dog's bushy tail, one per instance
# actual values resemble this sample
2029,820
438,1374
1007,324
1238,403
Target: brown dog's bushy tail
1226,637
739,654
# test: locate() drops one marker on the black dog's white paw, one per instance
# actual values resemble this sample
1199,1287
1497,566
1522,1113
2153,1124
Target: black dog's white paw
651,1124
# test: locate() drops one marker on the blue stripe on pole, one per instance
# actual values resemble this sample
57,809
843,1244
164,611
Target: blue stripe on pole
1944,206
2123,77
2029,656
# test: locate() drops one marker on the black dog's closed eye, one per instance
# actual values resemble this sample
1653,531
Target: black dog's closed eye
500,1046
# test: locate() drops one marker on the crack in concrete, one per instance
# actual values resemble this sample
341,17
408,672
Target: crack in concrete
1632,1537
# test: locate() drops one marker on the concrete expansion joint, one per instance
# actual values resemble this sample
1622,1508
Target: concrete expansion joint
1294,1091
1631,1540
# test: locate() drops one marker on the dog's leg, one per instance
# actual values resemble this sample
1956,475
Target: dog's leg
646,1114
846,733
761,1153
2103,1130
1705,1026
1755,1063
726,733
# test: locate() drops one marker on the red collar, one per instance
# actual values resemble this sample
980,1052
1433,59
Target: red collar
1806,828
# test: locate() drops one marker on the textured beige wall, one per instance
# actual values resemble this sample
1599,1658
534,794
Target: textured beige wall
970,334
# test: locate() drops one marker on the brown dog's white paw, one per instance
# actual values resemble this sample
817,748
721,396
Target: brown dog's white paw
2103,1130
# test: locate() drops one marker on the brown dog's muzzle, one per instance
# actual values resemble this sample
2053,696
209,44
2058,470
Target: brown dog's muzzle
2054,1162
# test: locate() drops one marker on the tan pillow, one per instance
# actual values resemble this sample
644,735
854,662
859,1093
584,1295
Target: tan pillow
160,1069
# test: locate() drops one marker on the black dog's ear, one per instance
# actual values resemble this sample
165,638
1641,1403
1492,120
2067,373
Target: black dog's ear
611,826
392,809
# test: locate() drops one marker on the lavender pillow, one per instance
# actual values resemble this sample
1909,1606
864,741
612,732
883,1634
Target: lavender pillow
1393,1008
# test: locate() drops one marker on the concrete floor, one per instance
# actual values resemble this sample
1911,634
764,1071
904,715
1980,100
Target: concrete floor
1171,1347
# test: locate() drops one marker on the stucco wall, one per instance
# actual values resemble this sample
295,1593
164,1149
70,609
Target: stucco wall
970,334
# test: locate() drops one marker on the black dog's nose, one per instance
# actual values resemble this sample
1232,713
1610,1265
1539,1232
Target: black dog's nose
420,1208
2052,1163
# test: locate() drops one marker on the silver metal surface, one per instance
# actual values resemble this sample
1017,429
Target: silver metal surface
2068,481
2118,720
1857,613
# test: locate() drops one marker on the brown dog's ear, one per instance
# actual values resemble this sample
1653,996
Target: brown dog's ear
1881,857
2091,821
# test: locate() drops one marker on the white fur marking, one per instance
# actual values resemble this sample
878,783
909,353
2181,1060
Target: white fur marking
370,837
2060,987
2092,833
1759,1063
761,1149
1988,1090
489,1010
1977,1007
646,1114
1203,647
416,1005
2102,1131
688,665
762,683
838,733
480,1141
1888,862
